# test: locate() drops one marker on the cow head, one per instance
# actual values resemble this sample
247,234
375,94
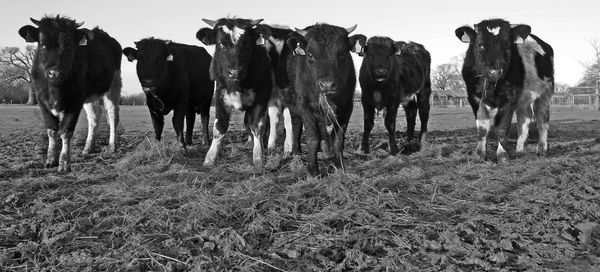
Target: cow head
380,57
234,40
325,51
153,56
58,40
492,42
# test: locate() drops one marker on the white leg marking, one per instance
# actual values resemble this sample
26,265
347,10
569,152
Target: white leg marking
211,156
500,151
93,112
524,131
287,121
64,161
111,103
482,125
51,155
257,150
543,139
273,112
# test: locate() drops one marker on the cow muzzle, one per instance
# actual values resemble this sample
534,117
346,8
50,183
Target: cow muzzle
495,74
54,75
232,74
380,74
327,86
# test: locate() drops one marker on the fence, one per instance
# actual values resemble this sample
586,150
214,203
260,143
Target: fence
580,101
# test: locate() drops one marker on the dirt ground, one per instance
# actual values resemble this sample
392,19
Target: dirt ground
153,207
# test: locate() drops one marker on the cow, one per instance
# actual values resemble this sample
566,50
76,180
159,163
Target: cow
507,69
393,74
242,71
323,80
73,67
174,77
273,38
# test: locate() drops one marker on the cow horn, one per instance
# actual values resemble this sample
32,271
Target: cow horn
352,28
34,21
256,22
301,31
211,23
78,25
167,42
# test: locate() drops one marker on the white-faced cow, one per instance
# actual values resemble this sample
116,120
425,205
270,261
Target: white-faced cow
323,79
74,66
242,71
174,77
394,74
507,68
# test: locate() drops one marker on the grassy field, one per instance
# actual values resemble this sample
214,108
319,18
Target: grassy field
154,207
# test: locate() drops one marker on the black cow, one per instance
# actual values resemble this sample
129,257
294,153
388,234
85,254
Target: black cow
242,71
323,78
507,68
174,77
274,41
394,73
74,66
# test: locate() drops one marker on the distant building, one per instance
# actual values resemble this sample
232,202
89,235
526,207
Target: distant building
449,98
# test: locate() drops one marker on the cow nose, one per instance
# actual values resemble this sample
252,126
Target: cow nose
380,71
495,72
233,73
53,73
326,85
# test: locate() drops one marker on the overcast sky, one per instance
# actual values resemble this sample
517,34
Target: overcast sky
568,26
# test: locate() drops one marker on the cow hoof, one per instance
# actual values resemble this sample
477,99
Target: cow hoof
479,155
64,168
365,148
542,154
51,164
503,158
313,171
394,151
86,151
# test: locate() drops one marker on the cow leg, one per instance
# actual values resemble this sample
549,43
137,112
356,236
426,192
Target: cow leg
190,119
52,156
111,103
158,122
255,121
503,120
337,135
273,111
326,138
484,124
204,115
424,108
524,116
93,112
313,135
541,108
220,127
289,137
369,119
390,125
64,161
297,124
411,118
178,116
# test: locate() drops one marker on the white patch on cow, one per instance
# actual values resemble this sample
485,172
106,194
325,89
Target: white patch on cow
523,133
278,44
54,112
211,155
491,111
329,129
543,138
235,33
257,149
483,124
51,155
273,112
233,99
287,123
500,152
494,30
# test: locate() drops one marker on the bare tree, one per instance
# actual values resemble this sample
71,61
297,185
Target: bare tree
17,65
447,76
591,76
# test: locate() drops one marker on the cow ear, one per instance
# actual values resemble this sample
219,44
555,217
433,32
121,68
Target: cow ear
398,47
298,43
29,33
357,44
465,34
520,33
264,33
130,53
85,35
207,36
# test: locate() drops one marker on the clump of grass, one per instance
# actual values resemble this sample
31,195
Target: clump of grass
149,156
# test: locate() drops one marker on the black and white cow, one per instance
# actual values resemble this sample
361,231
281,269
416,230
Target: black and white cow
242,71
507,68
394,74
73,67
323,80
174,77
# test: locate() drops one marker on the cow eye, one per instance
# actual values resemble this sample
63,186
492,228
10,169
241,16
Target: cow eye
310,55
481,46
220,45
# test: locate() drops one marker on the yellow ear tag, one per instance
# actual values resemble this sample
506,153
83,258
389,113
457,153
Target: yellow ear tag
260,40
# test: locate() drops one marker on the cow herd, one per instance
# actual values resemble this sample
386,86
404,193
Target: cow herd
306,76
